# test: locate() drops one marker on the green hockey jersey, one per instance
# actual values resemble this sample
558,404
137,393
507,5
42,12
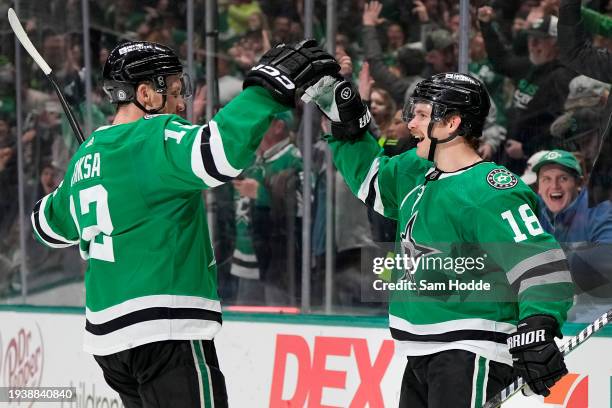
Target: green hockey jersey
460,233
282,156
131,200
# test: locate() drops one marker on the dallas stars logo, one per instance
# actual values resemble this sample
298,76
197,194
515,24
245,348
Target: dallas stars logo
552,155
501,179
243,210
412,249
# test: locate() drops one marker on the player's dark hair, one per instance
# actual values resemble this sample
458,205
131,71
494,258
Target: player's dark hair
463,130
473,140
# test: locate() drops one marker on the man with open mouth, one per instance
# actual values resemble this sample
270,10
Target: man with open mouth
584,233
461,348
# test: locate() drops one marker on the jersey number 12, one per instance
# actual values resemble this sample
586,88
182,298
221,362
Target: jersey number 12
104,226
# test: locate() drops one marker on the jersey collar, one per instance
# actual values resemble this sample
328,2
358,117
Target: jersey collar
435,173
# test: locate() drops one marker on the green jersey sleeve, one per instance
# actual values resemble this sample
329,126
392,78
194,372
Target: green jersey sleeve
199,157
52,221
535,266
376,179
171,156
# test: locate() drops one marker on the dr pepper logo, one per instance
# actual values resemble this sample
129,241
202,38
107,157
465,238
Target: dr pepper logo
21,361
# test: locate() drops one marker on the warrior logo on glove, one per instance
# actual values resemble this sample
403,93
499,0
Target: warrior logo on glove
535,354
340,102
365,119
346,93
525,339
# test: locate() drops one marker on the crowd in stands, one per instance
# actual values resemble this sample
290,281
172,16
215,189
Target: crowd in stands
542,110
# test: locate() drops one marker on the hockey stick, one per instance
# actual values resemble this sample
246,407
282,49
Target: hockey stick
38,59
567,348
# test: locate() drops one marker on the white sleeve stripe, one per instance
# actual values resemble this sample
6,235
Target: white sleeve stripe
378,204
552,255
364,189
197,163
46,228
555,277
47,243
216,146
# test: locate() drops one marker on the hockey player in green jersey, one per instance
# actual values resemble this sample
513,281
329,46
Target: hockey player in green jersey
463,346
131,200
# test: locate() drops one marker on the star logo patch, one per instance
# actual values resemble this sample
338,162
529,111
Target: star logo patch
501,179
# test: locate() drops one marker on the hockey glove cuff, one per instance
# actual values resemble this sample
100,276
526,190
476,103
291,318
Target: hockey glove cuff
535,354
340,102
285,68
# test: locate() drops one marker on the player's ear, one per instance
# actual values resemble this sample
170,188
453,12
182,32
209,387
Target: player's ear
144,94
452,122
455,122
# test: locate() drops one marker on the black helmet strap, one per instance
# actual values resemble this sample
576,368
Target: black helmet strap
435,142
150,111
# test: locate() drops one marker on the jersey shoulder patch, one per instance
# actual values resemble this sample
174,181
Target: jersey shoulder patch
501,179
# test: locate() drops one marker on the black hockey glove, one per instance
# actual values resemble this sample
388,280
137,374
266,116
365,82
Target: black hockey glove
340,102
285,68
535,354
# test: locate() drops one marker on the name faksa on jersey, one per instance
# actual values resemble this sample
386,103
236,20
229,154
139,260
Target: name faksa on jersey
147,278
